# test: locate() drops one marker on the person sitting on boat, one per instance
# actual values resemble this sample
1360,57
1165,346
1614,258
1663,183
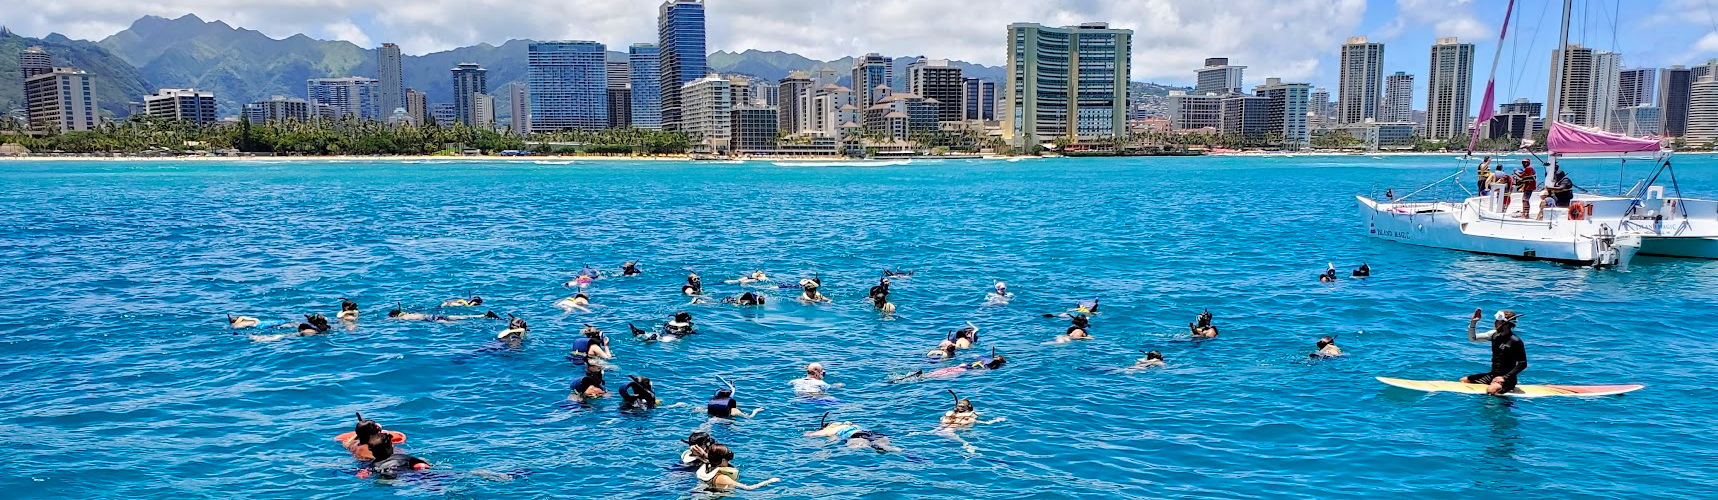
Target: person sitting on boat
1508,353
1329,275
1484,174
1363,271
1562,190
1528,180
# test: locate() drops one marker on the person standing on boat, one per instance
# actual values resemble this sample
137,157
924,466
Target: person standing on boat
1508,354
1484,174
1529,182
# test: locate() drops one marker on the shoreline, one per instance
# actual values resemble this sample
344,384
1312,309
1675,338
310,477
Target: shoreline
688,158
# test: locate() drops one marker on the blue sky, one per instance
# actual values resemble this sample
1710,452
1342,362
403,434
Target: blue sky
1294,39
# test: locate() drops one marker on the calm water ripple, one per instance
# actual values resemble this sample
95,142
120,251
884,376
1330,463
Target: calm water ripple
124,382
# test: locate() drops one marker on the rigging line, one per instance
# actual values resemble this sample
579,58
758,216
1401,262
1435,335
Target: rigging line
1520,65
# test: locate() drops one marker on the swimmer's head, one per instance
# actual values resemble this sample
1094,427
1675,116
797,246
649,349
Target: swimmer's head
1325,341
381,445
699,438
1154,355
517,323
719,454
644,387
996,362
724,394
683,317
347,305
814,369
366,429
1081,321
1001,287
475,301
591,331
395,313
963,406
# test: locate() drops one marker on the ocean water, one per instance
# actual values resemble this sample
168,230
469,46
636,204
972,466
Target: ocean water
123,381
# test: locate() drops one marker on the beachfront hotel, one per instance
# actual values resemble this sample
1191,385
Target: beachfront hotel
646,74
60,100
1359,76
351,96
1448,85
1068,82
569,85
189,105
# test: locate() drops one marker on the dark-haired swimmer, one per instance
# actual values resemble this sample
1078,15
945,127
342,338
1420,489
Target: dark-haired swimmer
719,473
638,395
348,310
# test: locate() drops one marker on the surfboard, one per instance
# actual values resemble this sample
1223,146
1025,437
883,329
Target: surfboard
1524,391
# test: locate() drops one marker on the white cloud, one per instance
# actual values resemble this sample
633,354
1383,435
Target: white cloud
1273,37
1445,18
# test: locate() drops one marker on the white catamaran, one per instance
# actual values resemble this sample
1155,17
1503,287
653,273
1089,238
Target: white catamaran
1591,230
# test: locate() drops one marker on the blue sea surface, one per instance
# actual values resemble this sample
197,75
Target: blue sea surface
122,379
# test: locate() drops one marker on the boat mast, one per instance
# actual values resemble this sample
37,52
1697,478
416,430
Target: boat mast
1556,105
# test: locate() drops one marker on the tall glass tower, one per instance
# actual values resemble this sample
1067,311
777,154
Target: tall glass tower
646,86
680,40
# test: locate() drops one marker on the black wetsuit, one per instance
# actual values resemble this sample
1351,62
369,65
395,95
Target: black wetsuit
1508,358
393,465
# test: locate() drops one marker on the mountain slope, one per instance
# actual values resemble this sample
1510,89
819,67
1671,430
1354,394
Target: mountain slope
116,84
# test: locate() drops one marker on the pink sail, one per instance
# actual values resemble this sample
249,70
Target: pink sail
1569,139
1489,103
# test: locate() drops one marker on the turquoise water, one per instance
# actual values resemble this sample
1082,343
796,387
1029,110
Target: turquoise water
122,380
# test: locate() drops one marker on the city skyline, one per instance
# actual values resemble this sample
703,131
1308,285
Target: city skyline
1173,39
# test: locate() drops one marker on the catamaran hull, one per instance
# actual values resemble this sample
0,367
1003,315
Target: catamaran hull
1687,247
1443,226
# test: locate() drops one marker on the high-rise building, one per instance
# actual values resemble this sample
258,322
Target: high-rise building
1710,68
754,129
34,61
1703,111
60,101
469,79
1245,116
1195,111
825,76
1218,77
1398,101
1638,121
937,81
789,104
521,108
417,107
278,109
444,113
708,107
483,111
191,105
391,83
1320,106
899,116
619,94
646,86
1361,71
1606,66
978,100
1449,85
351,96
569,85
873,74
1068,82
1574,103
1635,87
829,111
1288,111
1674,85
680,39
1515,120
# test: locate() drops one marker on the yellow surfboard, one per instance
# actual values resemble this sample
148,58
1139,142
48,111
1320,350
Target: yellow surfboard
1524,391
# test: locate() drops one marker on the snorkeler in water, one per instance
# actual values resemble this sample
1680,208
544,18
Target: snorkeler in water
994,362
1204,328
694,285
751,278
388,463
680,325
809,291
963,415
578,302
630,268
638,395
593,347
357,442
1152,359
944,351
1364,271
400,314
998,295
1329,275
1326,348
469,301
514,335
591,385
881,289
881,302
314,324
964,338
348,310
697,452
718,473
242,322
746,299
724,405
853,435
1076,330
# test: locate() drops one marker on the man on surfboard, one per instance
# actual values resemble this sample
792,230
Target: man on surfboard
1508,354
